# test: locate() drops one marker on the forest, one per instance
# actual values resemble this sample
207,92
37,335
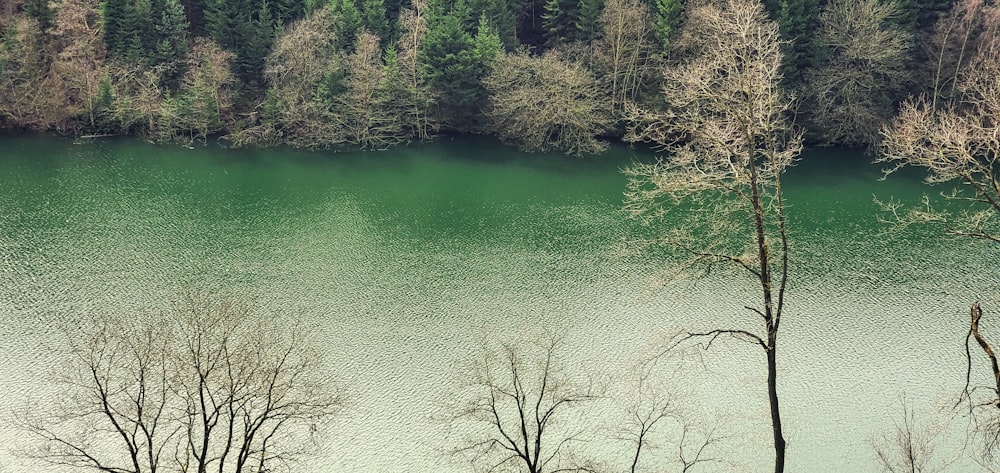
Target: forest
552,75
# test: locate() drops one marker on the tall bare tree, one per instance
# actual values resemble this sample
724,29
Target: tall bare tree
365,110
418,97
520,395
205,385
952,44
728,131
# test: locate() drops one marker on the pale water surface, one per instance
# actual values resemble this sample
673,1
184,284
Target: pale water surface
404,260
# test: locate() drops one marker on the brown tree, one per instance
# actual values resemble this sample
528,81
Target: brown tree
652,417
520,396
547,102
207,89
25,65
855,91
728,132
958,144
206,385
302,59
50,80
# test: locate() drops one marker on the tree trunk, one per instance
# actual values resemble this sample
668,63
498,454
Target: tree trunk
772,394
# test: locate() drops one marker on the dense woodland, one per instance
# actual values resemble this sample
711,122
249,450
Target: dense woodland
539,74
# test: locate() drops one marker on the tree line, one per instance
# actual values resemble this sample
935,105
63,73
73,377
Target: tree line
539,74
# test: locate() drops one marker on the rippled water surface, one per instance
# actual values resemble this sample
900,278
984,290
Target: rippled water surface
405,260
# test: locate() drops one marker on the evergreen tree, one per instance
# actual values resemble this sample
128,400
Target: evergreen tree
487,45
221,18
916,15
348,22
373,18
123,27
668,18
530,28
453,70
559,21
194,11
169,32
502,20
284,11
798,21
245,28
40,11
257,44
587,26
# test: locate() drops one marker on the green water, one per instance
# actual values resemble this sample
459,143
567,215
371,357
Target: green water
405,259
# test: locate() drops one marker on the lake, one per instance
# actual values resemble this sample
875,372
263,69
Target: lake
404,261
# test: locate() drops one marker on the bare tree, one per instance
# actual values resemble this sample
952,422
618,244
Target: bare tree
304,59
547,102
624,51
983,409
655,415
205,385
727,128
913,447
418,97
520,395
957,144
970,26
854,93
366,111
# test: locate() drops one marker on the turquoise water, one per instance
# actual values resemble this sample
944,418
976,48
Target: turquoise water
404,260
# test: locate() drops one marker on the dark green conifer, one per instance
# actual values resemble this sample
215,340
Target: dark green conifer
668,18
40,11
373,18
587,27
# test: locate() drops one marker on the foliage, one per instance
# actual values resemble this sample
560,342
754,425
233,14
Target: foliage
623,53
454,70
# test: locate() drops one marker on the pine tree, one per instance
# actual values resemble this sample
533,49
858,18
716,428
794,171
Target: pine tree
348,22
558,21
798,20
453,69
587,26
123,27
487,45
502,19
169,33
373,18
668,18
257,44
